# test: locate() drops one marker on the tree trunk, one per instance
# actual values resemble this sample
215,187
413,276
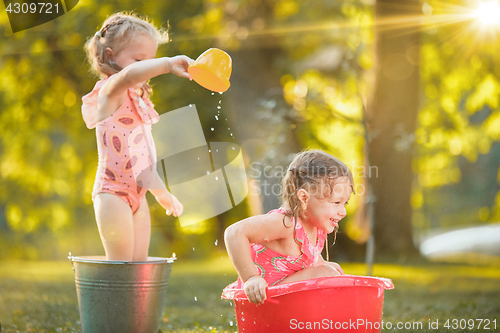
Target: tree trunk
253,81
263,131
392,113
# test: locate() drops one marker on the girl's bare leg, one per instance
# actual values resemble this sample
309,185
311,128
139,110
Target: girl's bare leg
116,226
311,273
142,231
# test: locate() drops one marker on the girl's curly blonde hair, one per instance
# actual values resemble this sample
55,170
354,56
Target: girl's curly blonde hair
315,171
116,31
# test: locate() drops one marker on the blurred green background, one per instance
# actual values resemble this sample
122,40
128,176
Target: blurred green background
404,92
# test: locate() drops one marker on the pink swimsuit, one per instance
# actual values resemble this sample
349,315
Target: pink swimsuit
275,267
124,144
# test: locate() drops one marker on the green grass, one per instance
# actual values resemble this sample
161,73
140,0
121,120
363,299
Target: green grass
41,296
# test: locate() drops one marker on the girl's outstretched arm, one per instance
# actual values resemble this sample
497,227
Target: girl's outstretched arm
239,236
114,91
144,70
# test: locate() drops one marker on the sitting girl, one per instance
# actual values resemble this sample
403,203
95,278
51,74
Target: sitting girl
285,245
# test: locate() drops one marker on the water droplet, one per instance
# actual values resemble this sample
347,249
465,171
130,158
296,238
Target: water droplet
193,248
231,134
216,178
208,172
231,322
242,319
190,105
216,118
228,128
220,93
217,150
209,150
216,241
221,258
218,107
231,147
213,94
195,299
199,158
220,101
212,129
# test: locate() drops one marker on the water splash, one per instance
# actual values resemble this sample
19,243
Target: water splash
216,241
212,129
195,299
216,118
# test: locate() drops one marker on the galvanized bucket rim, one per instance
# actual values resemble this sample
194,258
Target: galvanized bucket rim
102,260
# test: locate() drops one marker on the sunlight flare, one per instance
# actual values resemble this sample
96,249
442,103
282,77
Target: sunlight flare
488,12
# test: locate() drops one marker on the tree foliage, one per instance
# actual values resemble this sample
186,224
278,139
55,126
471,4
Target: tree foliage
302,70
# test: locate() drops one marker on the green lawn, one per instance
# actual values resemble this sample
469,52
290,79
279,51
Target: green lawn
41,296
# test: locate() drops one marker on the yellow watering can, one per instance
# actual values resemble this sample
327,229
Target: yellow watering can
212,70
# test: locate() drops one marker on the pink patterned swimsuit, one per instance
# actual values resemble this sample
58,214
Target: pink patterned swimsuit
275,267
124,144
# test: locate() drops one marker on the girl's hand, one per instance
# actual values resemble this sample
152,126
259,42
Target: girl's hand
255,289
170,203
179,65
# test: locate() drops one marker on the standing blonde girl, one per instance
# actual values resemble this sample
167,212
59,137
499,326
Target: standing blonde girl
285,245
123,53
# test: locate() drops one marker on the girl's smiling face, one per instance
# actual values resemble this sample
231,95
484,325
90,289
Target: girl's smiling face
325,213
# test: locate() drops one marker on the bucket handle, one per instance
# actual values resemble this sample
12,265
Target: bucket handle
70,257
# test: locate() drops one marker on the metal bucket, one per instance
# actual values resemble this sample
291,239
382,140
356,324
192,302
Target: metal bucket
120,296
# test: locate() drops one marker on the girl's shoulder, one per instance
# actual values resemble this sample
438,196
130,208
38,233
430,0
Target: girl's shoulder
280,210
89,105
283,217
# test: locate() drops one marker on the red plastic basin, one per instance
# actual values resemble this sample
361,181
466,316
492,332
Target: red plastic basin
347,303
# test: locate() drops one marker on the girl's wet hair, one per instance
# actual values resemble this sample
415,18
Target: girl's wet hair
116,31
315,171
